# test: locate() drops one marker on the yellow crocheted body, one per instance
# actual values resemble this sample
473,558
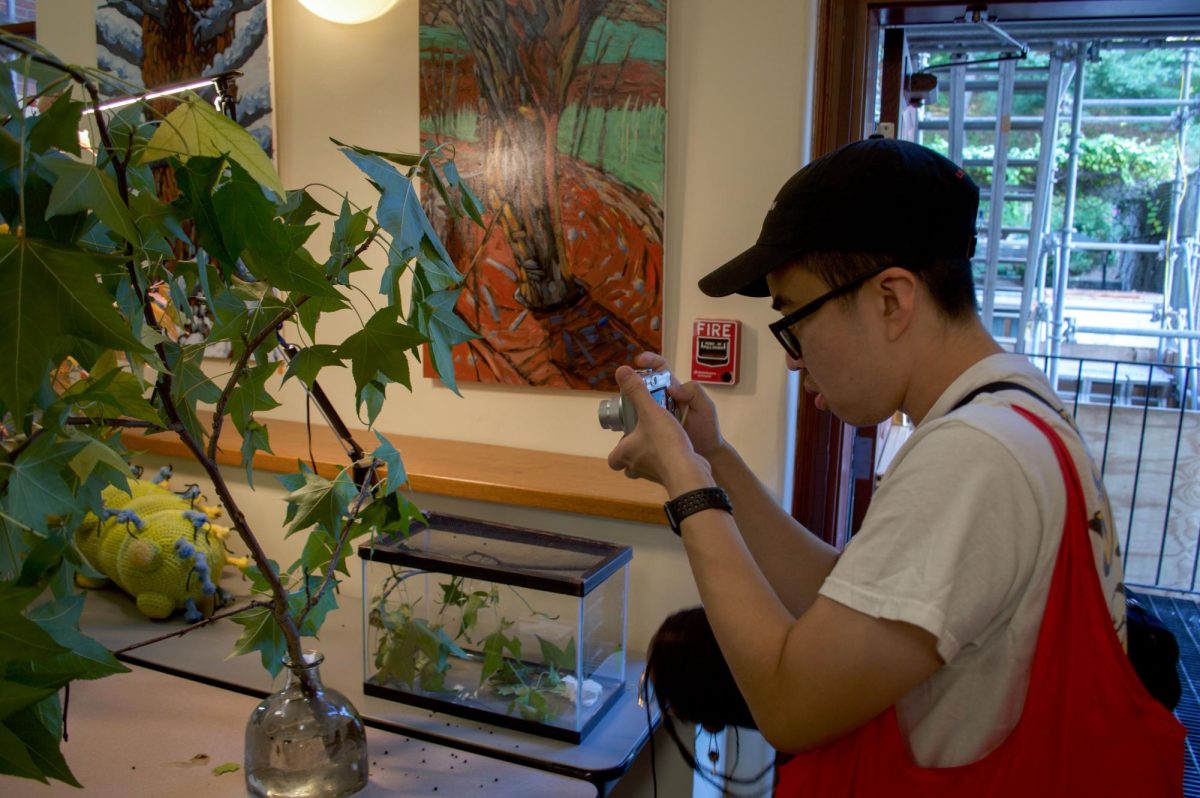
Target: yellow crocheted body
158,549
160,565
146,498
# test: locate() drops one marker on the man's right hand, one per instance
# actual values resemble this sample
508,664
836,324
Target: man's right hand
701,424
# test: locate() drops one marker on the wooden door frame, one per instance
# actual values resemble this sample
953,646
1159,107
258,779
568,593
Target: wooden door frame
823,495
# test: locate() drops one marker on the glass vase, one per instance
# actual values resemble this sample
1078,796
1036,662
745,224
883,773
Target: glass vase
301,745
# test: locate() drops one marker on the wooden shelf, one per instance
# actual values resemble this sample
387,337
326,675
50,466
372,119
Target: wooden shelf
499,474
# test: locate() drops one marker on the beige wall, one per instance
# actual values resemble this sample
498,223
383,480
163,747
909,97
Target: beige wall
737,95
739,92
739,81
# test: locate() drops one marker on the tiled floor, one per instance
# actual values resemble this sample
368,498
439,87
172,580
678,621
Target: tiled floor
1181,614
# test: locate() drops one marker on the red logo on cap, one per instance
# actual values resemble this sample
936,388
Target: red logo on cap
959,173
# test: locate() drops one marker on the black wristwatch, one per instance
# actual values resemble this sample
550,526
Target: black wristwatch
694,501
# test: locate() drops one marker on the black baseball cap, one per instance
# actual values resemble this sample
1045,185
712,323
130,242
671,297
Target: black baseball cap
875,195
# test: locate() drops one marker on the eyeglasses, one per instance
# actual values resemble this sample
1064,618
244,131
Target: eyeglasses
782,329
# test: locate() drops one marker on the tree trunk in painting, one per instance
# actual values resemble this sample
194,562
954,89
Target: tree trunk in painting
172,51
526,54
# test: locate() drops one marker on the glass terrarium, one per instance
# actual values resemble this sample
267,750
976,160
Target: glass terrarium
510,626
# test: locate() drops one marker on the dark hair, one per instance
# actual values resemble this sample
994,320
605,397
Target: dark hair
948,280
690,680
690,675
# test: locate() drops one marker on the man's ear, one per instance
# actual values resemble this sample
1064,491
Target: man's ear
898,291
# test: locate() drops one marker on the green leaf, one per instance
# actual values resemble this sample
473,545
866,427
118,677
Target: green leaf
20,638
317,552
402,158
14,546
372,395
310,312
316,503
94,454
10,150
390,456
42,743
259,583
15,697
36,487
86,657
300,206
228,767
436,319
120,395
276,254
379,347
254,439
230,314
50,290
67,229
399,211
15,757
81,187
389,281
8,96
244,213
261,634
190,386
196,128
316,615
349,231
561,658
470,203
58,127
44,559
251,395
494,646
154,216
197,177
308,362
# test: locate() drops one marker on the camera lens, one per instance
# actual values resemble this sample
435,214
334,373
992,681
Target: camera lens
610,414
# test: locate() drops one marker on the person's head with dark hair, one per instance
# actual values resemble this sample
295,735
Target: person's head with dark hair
690,677
948,280
866,252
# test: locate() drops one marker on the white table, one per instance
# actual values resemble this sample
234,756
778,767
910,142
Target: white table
149,734
598,763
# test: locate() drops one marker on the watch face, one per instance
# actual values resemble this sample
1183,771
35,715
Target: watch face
671,521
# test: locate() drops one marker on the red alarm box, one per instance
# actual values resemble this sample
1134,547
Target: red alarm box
716,350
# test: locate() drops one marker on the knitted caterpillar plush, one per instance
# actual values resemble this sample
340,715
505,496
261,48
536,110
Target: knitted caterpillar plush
159,547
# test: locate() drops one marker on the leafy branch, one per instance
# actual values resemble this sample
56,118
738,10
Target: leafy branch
102,273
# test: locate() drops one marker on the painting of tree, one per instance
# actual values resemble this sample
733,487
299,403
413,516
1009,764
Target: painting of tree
152,43
556,111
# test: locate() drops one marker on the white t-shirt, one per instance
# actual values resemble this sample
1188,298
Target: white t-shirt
961,539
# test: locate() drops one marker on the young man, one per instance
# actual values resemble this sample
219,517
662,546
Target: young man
913,651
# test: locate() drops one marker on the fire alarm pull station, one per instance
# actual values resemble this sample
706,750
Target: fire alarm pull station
715,350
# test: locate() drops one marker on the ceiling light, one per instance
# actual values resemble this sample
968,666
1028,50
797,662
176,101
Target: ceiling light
349,12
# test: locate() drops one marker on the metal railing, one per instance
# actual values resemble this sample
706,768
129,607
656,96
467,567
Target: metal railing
1135,419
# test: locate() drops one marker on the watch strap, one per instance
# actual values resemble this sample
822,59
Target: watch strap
694,501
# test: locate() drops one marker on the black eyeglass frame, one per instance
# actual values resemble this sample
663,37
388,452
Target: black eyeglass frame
782,328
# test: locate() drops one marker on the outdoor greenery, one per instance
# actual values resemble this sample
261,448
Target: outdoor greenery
101,275
1124,168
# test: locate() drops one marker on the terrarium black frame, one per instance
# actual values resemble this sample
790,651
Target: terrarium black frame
456,648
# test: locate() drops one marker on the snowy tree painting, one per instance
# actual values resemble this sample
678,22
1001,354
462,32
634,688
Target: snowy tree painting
151,43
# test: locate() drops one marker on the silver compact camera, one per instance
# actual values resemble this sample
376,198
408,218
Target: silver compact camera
619,415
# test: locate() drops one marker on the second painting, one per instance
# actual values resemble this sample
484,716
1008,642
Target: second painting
556,112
